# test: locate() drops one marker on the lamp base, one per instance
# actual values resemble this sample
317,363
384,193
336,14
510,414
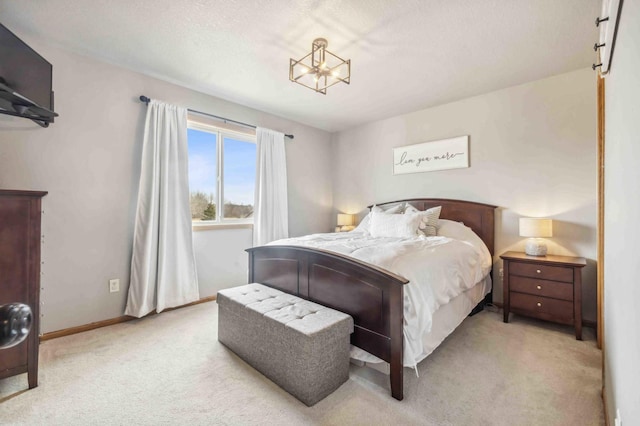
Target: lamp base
535,247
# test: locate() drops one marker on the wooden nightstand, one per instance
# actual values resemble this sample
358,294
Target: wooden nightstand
545,287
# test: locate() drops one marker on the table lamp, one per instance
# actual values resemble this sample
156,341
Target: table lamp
345,222
536,229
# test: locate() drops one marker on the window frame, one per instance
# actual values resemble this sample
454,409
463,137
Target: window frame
221,222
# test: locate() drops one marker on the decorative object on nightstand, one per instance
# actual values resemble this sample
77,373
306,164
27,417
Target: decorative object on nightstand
536,229
345,222
547,288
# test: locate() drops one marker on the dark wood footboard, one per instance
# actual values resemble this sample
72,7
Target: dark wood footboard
371,295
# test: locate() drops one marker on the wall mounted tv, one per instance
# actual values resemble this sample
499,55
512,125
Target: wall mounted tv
25,81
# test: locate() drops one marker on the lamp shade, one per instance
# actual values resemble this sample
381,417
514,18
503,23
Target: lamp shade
345,219
537,228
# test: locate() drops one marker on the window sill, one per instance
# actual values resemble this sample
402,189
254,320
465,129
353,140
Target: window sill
214,226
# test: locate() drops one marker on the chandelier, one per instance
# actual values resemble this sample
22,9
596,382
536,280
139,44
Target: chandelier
320,69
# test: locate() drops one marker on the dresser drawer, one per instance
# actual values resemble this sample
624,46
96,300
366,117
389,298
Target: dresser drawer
555,289
542,305
545,272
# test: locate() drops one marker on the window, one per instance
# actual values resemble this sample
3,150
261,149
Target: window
222,172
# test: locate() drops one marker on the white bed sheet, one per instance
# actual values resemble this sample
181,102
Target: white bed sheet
438,269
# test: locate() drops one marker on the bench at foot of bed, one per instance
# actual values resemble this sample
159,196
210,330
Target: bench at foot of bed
301,346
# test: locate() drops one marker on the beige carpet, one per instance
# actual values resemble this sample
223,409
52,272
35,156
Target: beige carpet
170,369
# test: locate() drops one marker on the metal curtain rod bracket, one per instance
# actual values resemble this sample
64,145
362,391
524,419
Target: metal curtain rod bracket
146,100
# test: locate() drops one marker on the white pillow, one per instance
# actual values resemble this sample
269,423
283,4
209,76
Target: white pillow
458,231
365,223
455,228
394,225
429,219
363,226
411,209
397,209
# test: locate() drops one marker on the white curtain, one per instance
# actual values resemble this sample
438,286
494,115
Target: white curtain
270,217
163,270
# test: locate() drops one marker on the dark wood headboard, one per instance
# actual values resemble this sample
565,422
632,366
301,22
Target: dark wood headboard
477,216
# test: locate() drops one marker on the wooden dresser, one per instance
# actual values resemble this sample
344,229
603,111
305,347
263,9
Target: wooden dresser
545,287
20,274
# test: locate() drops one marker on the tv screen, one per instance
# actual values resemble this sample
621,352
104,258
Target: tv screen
24,71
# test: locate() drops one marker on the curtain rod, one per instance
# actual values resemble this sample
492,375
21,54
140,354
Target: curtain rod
146,100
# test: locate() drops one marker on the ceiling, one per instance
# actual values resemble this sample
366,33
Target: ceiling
406,54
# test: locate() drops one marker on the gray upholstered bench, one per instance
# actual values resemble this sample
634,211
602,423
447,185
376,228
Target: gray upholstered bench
300,345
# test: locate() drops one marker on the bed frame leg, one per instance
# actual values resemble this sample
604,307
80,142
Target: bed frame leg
480,306
397,343
396,381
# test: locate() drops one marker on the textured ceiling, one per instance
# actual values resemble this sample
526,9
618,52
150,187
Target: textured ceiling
406,54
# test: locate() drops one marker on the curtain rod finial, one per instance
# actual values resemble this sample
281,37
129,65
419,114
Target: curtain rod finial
144,99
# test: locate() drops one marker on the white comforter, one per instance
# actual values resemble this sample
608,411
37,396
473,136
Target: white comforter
438,269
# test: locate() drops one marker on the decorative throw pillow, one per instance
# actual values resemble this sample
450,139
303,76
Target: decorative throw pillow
394,225
429,223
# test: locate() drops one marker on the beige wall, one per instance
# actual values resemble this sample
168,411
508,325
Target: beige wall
622,232
89,161
532,153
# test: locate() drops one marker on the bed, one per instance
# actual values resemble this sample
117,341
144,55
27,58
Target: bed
373,296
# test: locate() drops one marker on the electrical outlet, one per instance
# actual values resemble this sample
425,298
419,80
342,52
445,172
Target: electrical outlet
501,273
618,420
114,285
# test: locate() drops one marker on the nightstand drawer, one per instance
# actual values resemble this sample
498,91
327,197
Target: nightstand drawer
542,305
545,272
557,290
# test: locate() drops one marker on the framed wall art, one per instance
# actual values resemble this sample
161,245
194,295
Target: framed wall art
431,156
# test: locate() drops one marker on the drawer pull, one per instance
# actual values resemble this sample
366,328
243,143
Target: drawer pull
538,271
539,304
539,287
